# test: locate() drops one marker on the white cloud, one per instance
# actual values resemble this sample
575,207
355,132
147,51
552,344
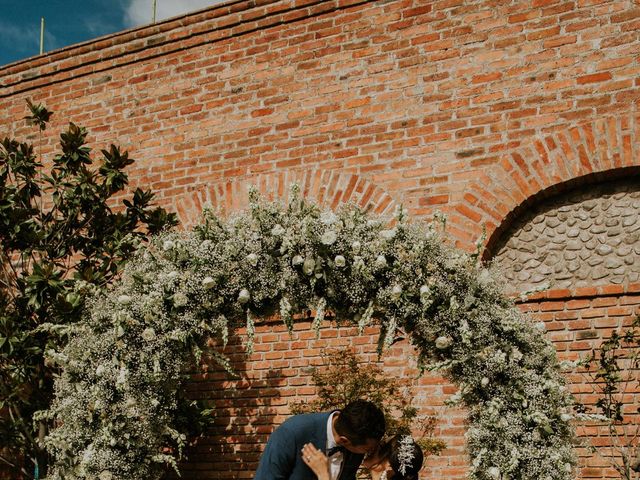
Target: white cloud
140,12
24,40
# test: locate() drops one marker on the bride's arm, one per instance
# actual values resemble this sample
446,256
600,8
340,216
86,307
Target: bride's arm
316,461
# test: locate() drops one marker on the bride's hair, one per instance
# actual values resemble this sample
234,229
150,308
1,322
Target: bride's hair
403,451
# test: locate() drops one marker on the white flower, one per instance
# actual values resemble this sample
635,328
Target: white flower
405,453
244,296
252,258
119,331
425,291
443,342
355,246
328,218
396,291
100,370
278,230
494,472
105,475
540,326
172,274
168,245
124,299
568,467
484,382
565,417
309,266
516,354
180,299
329,237
149,334
388,234
297,260
340,261
208,283
381,261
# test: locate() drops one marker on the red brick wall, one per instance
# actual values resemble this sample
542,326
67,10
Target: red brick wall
467,107
577,322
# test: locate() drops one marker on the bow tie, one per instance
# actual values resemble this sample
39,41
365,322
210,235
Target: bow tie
333,450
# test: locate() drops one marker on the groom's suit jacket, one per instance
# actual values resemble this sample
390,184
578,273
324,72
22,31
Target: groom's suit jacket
282,458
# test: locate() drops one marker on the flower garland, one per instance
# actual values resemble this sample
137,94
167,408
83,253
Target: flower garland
116,398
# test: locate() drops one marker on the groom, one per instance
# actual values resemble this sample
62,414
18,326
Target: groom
345,436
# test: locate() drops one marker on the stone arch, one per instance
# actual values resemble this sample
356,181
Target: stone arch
582,233
546,161
325,187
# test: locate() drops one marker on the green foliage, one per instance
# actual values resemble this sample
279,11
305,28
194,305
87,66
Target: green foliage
345,378
61,234
615,370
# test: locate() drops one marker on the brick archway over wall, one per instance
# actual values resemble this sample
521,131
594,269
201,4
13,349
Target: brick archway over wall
327,188
541,164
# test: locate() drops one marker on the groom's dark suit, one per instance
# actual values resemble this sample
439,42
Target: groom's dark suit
282,458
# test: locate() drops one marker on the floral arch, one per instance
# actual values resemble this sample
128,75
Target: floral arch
115,405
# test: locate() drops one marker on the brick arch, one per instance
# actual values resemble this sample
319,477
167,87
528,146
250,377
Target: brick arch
327,188
545,164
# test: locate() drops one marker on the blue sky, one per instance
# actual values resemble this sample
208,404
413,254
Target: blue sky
73,21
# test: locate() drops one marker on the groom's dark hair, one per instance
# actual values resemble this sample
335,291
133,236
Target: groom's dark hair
360,421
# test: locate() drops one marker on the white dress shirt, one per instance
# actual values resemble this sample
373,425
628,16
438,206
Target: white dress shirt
335,460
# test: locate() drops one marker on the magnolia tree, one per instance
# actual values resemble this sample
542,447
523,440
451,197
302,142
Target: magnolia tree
116,401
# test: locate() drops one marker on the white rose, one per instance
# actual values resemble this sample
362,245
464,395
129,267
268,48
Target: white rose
328,218
381,261
124,299
252,258
388,234
425,291
149,334
568,468
565,417
180,299
208,283
297,260
355,246
244,296
484,382
494,472
340,261
105,475
168,245
443,342
277,230
100,370
329,237
396,291
541,326
309,266
119,331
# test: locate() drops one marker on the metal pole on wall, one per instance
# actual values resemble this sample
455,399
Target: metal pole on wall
154,10
41,35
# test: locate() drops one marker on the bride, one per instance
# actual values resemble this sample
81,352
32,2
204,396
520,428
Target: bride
399,458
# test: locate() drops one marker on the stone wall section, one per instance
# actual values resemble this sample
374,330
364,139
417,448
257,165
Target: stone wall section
589,236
